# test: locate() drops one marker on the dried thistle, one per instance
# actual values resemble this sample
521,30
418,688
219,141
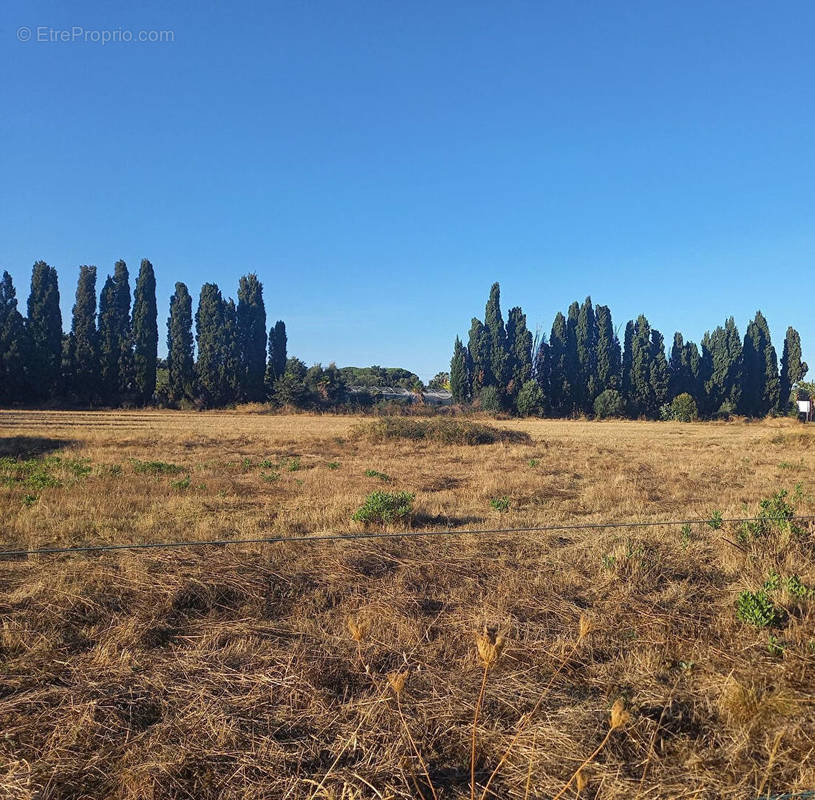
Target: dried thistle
357,629
619,716
397,681
490,645
586,626
581,780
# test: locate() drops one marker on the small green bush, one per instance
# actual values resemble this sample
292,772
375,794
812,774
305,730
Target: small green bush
155,467
490,399
441,431
333,464
294,464
372,473
608,404
531,402
500,504
384,507
182,484
756,608
681,409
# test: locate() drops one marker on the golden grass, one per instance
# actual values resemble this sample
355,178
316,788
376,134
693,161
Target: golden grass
348,669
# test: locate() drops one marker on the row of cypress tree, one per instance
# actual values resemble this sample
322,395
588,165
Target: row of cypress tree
583,368
110,357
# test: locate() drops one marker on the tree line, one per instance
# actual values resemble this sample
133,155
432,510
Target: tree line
110,355
583,368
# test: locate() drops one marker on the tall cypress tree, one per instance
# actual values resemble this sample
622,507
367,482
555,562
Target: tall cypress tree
108,344
459,375
660,374
519,339
124,327
559,386
209,337
586,335
15,345
572,361
277,355
760,389
628,361
45,328
180,363
84,343
480,347
793,369
145,333
641,394
232,369
251,322
542,369
609,364
724,385
499,351
679,380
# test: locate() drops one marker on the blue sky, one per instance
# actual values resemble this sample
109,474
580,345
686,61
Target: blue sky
379,165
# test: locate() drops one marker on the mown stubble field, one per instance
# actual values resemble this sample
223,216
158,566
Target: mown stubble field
233,672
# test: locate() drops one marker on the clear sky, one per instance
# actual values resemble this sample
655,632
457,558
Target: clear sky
380,164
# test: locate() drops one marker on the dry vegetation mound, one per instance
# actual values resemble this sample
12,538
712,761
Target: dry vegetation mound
441,431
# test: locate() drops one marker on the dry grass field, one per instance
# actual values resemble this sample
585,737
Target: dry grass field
272,670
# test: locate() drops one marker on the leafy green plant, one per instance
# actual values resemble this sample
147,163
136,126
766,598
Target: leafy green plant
182,484
533,462
686,535
776,514
500,504
756,608
270,477
246,464
609,562
294,464
333,464
155,467
775,646
384,507
716,520
372,473
30,499
267,463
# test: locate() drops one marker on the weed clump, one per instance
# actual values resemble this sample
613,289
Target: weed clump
384,507
372,473
155,467
441,431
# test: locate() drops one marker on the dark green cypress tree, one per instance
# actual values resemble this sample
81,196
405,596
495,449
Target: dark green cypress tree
706,407
180,357
124,328
45,328
760,387
15,346
793,369
278,358
480,348
641,360
725,383
499,350
233,368
145,333
84,368
109,345
586,335
251,323
559,387
209,337
609,366
519,339
572,361
695,385
542,370
628,363
459,375
679,380
660,374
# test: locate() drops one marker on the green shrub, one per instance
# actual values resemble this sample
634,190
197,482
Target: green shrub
490,399
500,504
776,514
609,404
184,483
756,608
294,464
384,507
155,467
372,473
531,401
441,431
681,409
333,464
